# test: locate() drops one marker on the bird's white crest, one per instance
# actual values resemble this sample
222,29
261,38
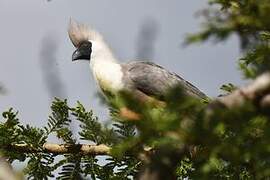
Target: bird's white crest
105,68
79,33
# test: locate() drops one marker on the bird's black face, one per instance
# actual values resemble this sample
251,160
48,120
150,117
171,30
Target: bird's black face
83,52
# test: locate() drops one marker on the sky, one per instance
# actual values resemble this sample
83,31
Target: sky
35,58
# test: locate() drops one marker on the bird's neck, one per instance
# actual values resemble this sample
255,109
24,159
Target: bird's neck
103,60
107,72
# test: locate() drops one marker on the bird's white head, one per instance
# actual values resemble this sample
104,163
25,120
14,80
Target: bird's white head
89,43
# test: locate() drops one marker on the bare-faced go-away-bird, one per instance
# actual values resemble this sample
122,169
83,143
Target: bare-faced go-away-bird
146,81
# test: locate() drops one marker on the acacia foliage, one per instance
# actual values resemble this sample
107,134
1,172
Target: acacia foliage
185,140
248,20
45,165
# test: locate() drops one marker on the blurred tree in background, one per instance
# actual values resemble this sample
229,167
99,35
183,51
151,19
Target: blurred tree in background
224,138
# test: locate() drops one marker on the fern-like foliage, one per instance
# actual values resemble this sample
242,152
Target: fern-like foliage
71,168
44,165
92,129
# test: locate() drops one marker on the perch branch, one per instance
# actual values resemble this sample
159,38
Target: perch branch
64,148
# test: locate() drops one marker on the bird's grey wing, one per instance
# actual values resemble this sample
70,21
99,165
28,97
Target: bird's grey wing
154,80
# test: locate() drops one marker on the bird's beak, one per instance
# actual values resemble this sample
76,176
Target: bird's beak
83,52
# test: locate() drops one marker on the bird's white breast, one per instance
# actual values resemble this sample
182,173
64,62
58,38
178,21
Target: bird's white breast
108,75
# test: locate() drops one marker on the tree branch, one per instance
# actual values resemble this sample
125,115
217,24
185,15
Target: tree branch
64,149
258,92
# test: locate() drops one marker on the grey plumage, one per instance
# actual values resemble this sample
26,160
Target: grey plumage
153,80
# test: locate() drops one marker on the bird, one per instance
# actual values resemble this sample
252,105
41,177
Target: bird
146,81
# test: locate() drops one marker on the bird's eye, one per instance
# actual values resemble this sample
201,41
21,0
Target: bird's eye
86,48
86,45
